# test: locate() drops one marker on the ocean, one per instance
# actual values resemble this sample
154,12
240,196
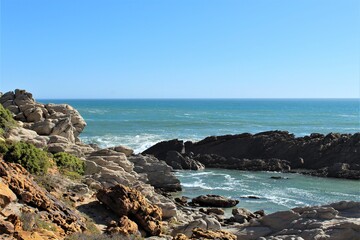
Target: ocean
141,123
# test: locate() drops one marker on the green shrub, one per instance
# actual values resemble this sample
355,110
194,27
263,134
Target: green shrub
3,148
6,120
33,159
69,163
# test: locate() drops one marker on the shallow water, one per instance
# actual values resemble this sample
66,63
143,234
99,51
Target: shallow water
275,194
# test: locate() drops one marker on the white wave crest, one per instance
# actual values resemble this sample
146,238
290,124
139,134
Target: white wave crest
138,143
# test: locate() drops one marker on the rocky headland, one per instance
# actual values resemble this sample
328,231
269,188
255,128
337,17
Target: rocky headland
122,195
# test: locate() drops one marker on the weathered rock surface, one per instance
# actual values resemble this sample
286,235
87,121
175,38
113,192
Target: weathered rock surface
6,195
123,149
214,201
178,161
107,167
125,201
18,134
124,226
335,221
45,119
21,183
157,172
242,215
199,233
203,222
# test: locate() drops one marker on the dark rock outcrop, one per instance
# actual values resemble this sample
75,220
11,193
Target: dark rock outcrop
161,149
125,201
274,151
214,201
216,161
312,152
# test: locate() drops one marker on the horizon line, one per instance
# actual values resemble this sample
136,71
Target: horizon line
310,98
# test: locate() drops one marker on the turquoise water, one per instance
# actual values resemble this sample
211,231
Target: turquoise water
275,195
141,123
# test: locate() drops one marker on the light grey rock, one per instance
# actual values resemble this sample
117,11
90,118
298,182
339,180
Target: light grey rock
242,215
43,127
159,174
252,233
280,220
18,134
123,149
204,223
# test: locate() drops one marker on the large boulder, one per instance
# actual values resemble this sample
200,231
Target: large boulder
158,173
125,201
214,201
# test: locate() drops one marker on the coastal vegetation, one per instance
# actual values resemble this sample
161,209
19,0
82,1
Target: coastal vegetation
6,120
69,164
33,159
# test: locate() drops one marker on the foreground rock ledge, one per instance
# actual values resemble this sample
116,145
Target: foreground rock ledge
20,182
125,201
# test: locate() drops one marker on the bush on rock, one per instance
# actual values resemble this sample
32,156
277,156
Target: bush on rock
68,163
33,159
6,120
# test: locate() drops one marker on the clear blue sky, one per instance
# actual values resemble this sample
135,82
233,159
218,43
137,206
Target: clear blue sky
181,49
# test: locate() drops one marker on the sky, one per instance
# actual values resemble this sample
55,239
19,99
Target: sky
181,48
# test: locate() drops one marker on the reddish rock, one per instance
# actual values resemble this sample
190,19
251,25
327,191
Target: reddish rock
124,226
21,183
6,195
199,233
126,201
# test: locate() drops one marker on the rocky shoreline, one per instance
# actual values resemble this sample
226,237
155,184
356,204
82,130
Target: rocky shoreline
332,155
125,195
